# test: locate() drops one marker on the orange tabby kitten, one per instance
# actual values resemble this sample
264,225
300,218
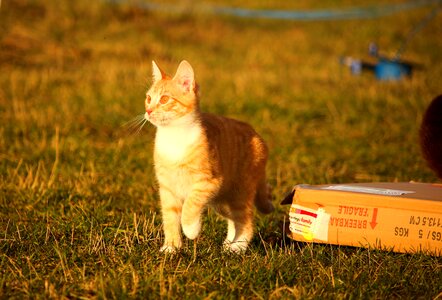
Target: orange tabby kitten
202,159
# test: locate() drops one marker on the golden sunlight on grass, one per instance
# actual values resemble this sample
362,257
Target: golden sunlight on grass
79,212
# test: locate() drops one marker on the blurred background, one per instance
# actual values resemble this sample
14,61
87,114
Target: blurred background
72,73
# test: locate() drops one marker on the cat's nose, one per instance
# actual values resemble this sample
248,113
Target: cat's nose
149,111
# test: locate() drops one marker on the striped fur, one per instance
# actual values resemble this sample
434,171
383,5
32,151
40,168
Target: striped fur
203,160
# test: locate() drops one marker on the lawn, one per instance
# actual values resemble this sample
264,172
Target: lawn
79,211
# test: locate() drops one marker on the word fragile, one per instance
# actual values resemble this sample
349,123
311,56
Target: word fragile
352,210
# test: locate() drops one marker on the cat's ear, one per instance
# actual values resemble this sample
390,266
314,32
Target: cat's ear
157,73
185,77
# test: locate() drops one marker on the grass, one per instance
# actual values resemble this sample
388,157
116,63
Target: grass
79,214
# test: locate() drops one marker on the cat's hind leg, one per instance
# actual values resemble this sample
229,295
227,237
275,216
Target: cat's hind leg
239,232
239,215
230,234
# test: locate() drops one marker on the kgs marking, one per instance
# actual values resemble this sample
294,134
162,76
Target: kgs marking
401,231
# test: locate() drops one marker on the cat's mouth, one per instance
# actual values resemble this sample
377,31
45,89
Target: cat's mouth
157,120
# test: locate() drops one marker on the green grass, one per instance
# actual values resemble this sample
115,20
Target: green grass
79,213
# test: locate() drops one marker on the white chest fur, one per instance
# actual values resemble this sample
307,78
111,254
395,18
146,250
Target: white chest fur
174,142
172,147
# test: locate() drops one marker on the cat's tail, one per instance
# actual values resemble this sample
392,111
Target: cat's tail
431,135
263,200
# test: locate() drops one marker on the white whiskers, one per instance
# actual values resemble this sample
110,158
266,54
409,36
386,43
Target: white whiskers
135,125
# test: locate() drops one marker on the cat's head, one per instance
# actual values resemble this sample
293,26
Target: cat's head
171,100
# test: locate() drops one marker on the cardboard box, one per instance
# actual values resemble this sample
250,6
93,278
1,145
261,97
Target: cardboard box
402,217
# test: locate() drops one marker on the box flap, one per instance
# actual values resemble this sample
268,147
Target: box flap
411,190
288,199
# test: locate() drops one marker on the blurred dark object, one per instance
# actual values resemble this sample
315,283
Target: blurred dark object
431,136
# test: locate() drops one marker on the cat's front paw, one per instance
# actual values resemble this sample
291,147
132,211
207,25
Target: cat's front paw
226,244
235,247
168,249
191,231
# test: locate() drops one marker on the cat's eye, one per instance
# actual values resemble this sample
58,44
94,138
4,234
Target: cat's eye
164,99
148,99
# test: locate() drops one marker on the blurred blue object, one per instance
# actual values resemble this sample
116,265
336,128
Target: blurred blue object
387,69
383,69
356,67
373,49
